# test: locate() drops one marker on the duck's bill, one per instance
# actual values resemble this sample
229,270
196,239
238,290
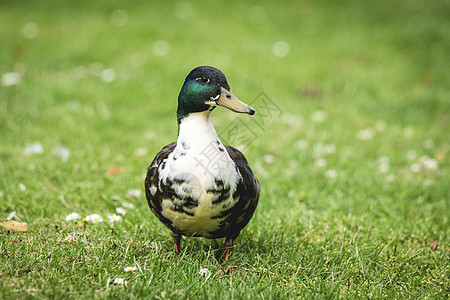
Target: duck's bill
228,99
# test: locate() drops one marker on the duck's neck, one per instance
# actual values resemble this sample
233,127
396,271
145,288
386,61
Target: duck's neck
196,129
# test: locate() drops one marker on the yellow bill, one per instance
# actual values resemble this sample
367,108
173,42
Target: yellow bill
228,99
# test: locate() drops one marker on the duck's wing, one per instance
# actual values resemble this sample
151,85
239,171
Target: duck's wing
247,190
152,179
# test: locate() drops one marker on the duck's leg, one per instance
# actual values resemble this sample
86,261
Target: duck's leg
176,240
228,245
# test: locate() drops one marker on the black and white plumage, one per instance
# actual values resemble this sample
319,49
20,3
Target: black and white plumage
197,186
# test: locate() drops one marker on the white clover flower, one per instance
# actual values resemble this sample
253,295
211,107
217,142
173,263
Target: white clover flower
319,116
61,152
22,187
127,205
380,125
119,18
365,134
205,272
409,132
141,152
35,148
114,218
428,164
411,155
120,281
73,216
415,168
302,144
427,183
12,78
390,178
383,164
108,75
129,269
30,30
280,49
428,144
161,48
134,193
320,149
94,218
329,148
383,168
269,158
120,211
332,174
320,163
11,215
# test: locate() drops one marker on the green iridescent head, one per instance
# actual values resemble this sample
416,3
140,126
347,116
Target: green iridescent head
205,88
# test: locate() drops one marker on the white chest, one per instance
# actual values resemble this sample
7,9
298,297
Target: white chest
199,169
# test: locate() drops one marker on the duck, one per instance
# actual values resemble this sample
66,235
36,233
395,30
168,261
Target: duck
196,186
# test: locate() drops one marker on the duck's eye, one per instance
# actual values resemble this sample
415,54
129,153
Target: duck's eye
202,79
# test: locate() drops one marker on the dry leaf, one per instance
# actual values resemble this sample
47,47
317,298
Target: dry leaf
434,245
14,226
114,171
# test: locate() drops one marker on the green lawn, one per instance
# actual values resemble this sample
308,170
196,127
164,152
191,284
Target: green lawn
350,142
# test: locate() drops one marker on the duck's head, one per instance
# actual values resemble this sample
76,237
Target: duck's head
205,88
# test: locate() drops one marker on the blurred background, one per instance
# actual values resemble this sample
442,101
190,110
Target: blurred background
350,143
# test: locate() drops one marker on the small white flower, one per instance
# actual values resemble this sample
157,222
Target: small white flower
330,148
428,164
411,155
12,78
120,281
30,30
61,152
161,48
415,168
119,18
332,174
141,152
134,193
269,158
11,215
320,149
120,211
380,125
429,144
383,168
22,187
72,216
365,134
280,49
390,178
108,75
409,133
127,205
319,116
427,183
320,163
383,164
205,272
302,144
35,148
129,269
94,218
114,218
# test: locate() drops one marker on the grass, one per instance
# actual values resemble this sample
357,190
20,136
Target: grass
352,203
